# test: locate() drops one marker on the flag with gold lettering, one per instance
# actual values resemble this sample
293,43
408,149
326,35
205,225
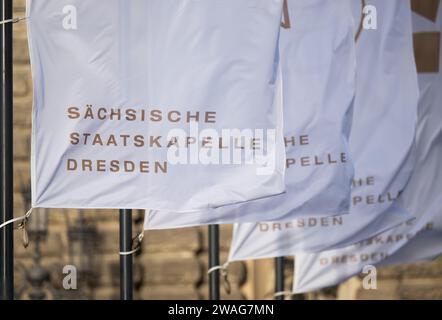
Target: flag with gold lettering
380,142
163,104
420,238
317,48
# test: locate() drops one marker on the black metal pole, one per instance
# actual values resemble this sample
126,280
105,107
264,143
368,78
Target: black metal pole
279,277
126,261
6,156
214,288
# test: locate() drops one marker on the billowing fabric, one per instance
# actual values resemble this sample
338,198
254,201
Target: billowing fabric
316,47
125,91
382,136
421,238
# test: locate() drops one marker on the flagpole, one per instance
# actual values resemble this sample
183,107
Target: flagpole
214,288
6,156
279,278
126,260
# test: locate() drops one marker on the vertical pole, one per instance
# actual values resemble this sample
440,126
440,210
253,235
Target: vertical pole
126,261
214,288
279,277
6,156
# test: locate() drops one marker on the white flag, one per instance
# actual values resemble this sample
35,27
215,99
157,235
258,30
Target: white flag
421,238
316,47
163,104
382,135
